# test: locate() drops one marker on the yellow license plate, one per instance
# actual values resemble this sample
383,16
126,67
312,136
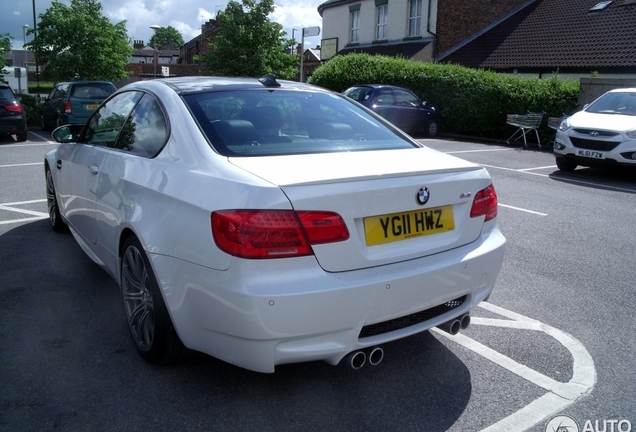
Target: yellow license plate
91,107
401,226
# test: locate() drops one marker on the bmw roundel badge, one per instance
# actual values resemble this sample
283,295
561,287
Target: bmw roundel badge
422,196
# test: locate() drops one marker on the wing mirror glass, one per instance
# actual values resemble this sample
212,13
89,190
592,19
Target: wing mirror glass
66,133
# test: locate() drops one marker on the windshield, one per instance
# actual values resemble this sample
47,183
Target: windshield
359,94
281,122
615,103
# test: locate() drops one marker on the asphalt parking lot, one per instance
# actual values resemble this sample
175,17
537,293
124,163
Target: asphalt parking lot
556,338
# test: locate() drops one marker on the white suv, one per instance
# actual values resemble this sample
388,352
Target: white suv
602,135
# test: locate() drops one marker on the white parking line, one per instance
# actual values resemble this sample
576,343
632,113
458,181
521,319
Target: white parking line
21,165
523,210
523,170
559,396
12,208
538,168
32,144
479,151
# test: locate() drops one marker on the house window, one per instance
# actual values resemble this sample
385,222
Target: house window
355,25
383,11
415,17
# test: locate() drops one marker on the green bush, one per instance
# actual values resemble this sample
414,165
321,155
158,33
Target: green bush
470,101
32,108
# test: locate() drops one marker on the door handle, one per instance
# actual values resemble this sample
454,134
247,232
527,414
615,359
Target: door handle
94,169
59,164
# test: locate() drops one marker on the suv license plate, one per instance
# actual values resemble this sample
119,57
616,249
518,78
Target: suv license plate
91,107
401,226
590,154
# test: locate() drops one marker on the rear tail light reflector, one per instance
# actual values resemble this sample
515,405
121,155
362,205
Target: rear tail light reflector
14,108
67,107
485,204
262,234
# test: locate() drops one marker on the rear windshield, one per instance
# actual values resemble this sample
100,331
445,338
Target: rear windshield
359,94
281,122
92,90
6,93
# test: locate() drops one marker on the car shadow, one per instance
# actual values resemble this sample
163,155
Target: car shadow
623,178
68,362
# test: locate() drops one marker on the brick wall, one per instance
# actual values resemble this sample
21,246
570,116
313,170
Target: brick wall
457,20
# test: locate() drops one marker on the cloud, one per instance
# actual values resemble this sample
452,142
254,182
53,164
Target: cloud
186,16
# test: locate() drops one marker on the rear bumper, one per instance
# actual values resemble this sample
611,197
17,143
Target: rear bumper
259,314
13,125
71,119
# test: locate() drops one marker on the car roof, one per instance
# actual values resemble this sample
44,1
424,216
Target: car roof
623,90
378,86
84,82
202,84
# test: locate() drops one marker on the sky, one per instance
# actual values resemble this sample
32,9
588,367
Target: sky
186,16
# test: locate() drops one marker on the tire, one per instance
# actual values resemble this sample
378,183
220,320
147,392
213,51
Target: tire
22,137
432,128
565,165
150,326
57,223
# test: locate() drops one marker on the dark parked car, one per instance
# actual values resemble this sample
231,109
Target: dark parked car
73,102
12,115
399,106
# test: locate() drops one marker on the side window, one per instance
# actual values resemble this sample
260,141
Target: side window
145,132
105,125
59,92
404,98
384,97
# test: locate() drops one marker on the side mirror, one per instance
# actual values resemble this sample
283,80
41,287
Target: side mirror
66,133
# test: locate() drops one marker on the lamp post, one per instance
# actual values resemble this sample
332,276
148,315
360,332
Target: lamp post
24,27
155,27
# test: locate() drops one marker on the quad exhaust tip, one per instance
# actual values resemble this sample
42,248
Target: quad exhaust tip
455,325
357,359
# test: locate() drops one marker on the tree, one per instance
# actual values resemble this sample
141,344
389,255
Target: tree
5,47
249,44
165,36
77,41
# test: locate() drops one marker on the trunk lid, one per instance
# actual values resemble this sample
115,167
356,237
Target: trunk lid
376,193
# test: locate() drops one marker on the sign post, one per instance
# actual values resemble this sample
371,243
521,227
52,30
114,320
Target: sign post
309,31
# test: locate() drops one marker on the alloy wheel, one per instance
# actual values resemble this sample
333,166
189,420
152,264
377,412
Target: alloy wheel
138,300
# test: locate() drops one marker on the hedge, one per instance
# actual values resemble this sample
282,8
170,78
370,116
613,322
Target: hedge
470,101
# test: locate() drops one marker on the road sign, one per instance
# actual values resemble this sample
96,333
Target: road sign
311,31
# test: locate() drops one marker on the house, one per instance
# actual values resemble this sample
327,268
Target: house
399,27
167,55
582,38
311,62
199,44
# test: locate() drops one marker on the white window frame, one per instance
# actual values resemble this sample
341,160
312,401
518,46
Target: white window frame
354,23
382,19
415,18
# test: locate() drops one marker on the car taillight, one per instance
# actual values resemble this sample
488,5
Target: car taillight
67,107
485,203
275,233
14,108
